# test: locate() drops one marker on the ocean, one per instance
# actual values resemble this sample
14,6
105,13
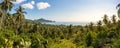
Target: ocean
66,23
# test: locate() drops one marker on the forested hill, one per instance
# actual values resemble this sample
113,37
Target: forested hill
44,20
16,32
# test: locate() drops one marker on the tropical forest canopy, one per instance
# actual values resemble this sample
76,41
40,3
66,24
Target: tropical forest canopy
17,32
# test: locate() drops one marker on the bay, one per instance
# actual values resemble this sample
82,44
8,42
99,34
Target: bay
66,23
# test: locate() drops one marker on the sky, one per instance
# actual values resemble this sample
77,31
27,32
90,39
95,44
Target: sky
68,10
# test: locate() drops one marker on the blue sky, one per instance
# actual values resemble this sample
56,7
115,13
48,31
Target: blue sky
68,10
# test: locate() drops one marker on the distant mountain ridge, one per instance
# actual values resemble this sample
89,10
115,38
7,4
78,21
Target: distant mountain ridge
44,20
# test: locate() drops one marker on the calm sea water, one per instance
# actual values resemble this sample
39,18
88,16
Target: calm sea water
66,23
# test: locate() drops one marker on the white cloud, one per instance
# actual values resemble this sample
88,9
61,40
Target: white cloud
19,1
28,6
33,2
43,5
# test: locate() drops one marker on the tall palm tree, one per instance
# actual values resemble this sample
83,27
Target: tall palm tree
114,19
105,19
1,16
118,7
19,17
99,24
70,29
20,14
6,5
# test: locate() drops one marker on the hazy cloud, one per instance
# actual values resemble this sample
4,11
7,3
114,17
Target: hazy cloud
29,5
43,5
40,5
19,1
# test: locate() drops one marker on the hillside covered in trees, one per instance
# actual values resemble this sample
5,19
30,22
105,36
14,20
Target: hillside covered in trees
17,32
43,20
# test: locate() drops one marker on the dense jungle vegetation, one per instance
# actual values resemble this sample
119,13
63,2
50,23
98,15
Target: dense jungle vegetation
17,32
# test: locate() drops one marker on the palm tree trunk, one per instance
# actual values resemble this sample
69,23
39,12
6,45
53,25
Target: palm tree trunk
119,13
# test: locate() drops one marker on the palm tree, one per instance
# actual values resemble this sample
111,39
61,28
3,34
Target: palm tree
8,19
1,13
70,30
114,19
6,5
19,17
87,29
105,19
89,39
91,26
118,7
20,14
99,23
1,16
35,28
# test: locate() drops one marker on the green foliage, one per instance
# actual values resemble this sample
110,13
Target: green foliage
17,32
63,44
116,44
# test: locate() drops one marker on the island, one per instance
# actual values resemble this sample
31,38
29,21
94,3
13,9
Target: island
44,20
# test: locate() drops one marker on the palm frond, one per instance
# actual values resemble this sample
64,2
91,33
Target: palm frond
118,6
